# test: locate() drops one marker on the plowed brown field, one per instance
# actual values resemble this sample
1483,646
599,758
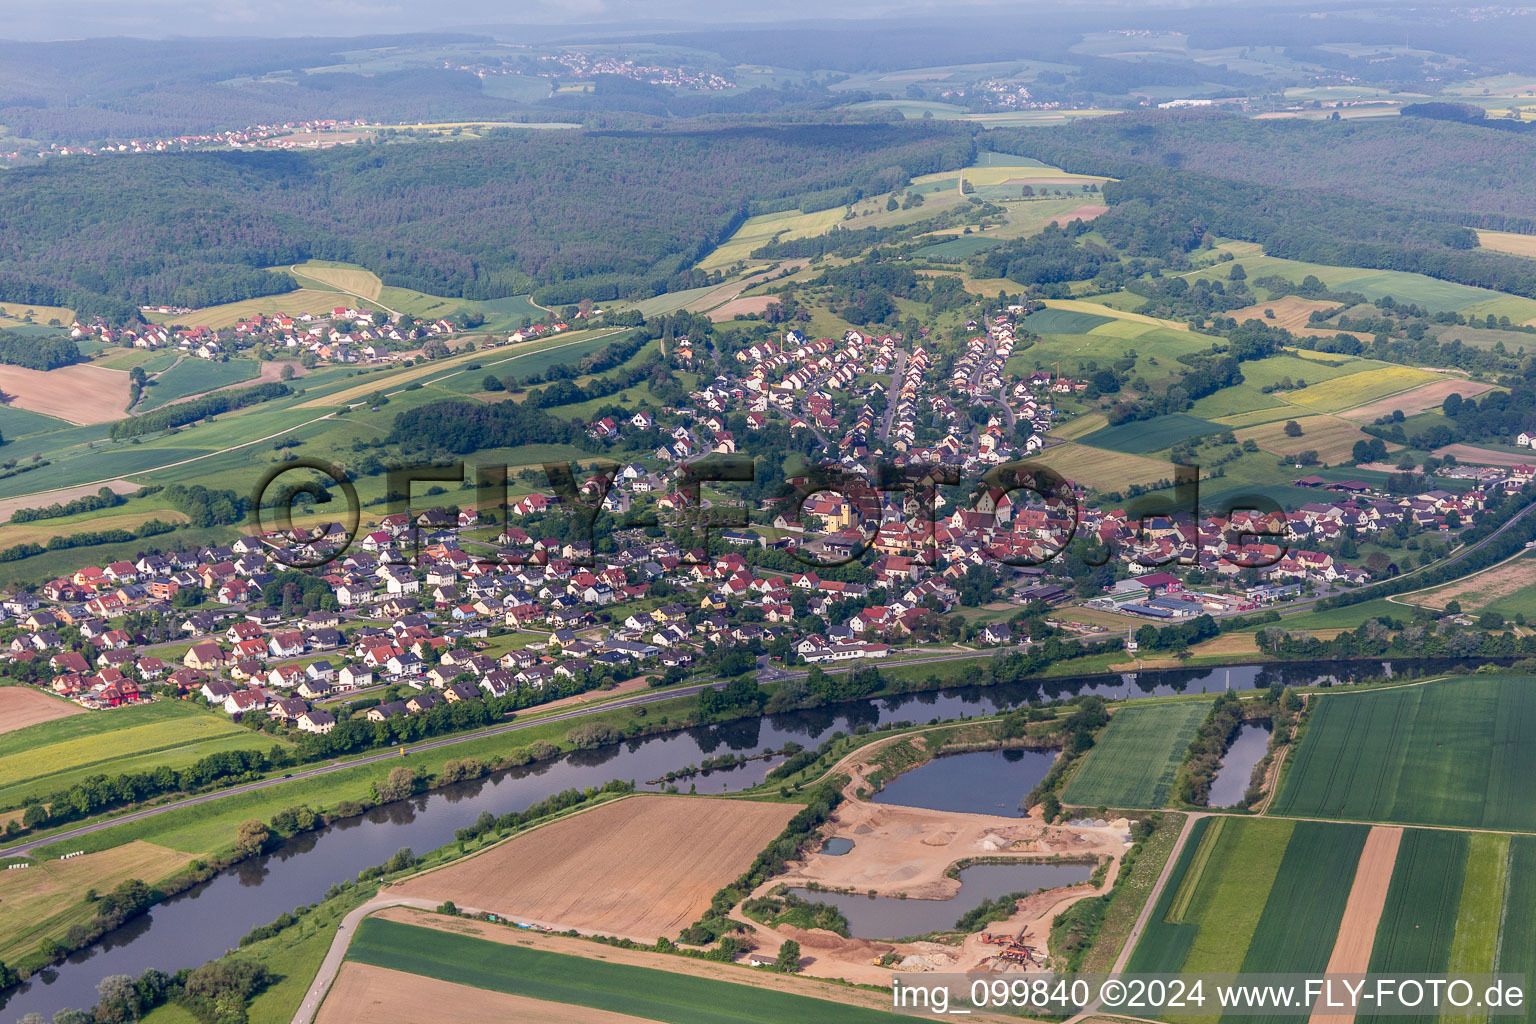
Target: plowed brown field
642,867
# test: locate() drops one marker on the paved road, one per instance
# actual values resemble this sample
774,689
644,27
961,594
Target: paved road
1291,608
392,754
338,951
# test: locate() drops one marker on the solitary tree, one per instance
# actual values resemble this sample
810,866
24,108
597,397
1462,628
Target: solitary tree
788,961
1292,428
252,838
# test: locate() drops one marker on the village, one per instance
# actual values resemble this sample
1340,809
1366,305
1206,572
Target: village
467,603
313,133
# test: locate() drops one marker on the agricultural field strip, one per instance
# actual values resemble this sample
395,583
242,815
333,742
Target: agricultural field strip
1303,869
560,978
1134,761
1474,947
1448,753
293,427
90,751
1419,921
1245,861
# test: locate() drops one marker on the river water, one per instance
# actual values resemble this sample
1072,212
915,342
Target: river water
200,924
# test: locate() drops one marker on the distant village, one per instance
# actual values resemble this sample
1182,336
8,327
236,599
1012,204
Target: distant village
317,133
344,335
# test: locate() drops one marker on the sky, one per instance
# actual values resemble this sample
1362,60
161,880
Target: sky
79,19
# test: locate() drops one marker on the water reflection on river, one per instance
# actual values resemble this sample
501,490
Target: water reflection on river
199,924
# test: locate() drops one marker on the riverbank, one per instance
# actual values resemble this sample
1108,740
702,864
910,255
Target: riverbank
181,930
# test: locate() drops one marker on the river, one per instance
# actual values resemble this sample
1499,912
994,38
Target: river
201,923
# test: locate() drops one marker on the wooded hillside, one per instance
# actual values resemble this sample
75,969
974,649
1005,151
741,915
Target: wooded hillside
477,219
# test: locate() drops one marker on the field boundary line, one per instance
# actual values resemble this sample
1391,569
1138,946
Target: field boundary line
1152,897
328,286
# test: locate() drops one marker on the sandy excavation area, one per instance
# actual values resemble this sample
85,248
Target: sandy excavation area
21,706
906,851
79,393
639,868
364,994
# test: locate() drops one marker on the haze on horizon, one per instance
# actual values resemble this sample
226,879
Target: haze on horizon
265,19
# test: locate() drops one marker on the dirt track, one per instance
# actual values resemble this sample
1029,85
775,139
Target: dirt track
641,868
21,706
364,994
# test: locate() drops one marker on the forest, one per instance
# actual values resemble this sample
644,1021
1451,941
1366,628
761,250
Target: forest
1161,208
462,427
1480,174
477,219
37,353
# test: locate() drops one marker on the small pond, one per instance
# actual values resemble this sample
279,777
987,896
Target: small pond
891,917
1247,750
836,846
985,782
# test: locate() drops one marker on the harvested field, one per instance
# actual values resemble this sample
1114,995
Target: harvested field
1100,469
1479,590
61,495
1331,437
1423,399
1291,311
1472,455
1099,309
364,994
21,706
41,530
80,393
642,867
750,304
1508,241
36,901
1341,393
302,300
1362,912
40,314
342,278
1087,212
